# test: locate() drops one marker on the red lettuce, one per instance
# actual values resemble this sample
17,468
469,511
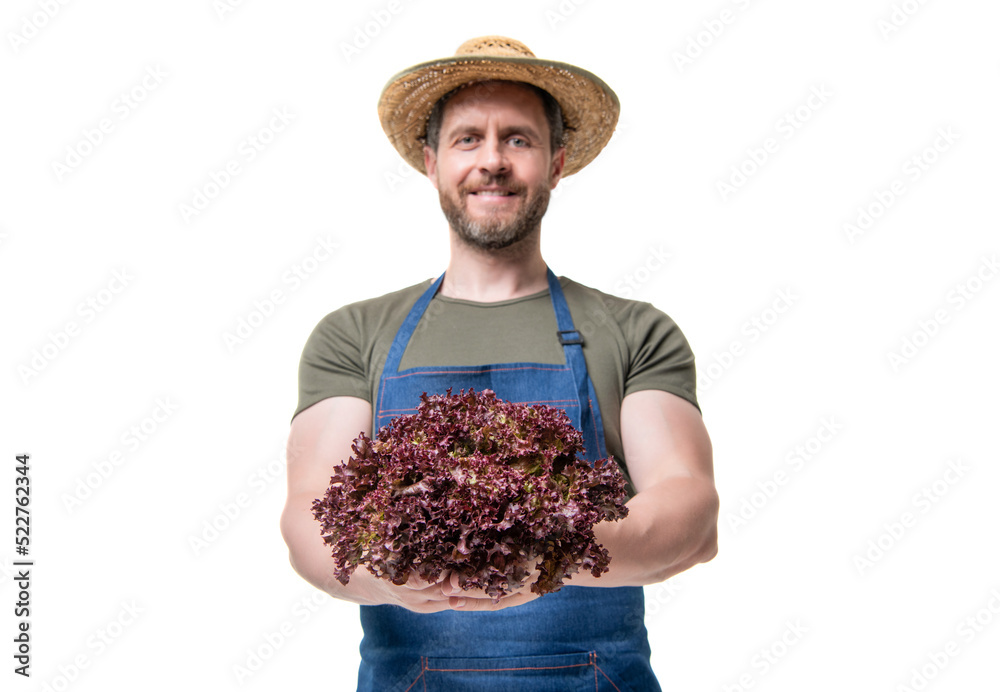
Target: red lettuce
475,486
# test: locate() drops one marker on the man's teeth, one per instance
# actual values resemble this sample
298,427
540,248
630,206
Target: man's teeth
493,193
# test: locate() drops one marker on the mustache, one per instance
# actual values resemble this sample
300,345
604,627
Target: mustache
495,181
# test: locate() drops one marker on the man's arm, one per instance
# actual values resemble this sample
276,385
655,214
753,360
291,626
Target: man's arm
320,438
672,523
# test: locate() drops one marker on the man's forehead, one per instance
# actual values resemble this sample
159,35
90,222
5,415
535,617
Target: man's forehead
485,95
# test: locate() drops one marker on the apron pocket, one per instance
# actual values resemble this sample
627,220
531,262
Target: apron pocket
551,673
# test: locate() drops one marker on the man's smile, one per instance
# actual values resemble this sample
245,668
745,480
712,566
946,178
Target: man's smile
493,195
493,192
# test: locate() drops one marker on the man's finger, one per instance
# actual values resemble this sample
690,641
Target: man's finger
470,603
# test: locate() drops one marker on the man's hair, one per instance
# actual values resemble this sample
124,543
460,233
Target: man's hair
553,112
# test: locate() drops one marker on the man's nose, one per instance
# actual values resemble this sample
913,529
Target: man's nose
492,157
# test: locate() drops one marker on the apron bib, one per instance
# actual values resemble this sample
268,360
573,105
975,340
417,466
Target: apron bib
578,638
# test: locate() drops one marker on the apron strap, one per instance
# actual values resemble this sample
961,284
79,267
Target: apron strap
406,330
572,343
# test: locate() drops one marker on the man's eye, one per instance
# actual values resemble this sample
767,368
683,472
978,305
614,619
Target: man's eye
519,141
467,139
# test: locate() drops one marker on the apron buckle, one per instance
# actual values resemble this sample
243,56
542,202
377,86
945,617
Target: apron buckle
569,340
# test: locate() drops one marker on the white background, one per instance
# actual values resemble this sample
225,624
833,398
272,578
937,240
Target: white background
791,578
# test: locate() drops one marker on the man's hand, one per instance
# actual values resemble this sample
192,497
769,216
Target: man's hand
477,599
416,594
425,597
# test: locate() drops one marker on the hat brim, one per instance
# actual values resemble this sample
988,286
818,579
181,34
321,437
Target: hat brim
590,108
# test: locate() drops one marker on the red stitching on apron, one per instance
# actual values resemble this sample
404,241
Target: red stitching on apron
555,367
569,403
597,668
498,670
473,369
597,442
423,669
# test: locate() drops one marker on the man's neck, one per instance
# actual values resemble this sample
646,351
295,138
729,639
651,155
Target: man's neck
489,276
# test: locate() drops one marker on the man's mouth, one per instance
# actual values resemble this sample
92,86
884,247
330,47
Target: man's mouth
493,193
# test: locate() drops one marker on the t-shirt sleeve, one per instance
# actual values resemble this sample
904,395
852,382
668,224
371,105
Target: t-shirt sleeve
331,362
660,356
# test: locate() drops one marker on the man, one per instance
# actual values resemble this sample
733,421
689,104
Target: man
494,129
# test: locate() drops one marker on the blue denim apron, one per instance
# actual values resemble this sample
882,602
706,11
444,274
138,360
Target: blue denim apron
578,638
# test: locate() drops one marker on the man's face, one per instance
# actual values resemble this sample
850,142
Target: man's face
494,168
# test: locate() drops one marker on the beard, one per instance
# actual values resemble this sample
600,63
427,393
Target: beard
494,232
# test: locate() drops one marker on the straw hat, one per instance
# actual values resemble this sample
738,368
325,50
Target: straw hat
590,108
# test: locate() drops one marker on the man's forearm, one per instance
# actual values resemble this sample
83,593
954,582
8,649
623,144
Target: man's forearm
671,527
311,558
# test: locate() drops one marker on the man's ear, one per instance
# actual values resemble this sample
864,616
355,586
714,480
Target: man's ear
558,163
430,165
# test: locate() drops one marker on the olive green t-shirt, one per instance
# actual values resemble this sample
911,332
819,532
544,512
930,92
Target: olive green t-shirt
628,345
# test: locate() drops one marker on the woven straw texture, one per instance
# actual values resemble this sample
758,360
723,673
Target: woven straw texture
590,108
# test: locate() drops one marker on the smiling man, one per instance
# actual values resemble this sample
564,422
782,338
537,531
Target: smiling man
504,210
495,129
